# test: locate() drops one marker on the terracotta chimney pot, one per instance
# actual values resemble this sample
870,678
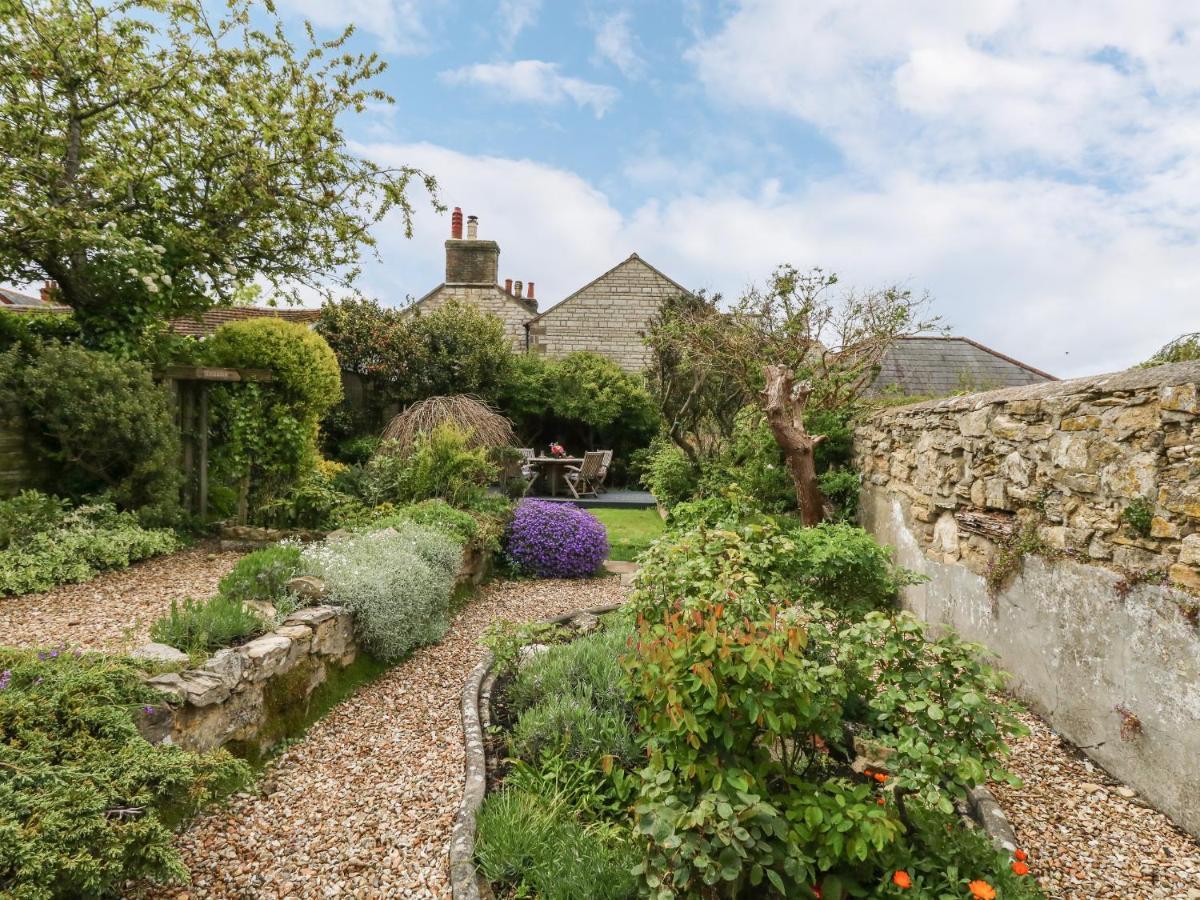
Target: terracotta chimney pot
529,294
456,224
508,285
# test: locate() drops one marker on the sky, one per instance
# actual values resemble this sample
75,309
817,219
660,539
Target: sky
1034,166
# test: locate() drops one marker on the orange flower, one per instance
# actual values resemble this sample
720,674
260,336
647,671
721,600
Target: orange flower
880,777
1020,868
901,879
1020,854
981,890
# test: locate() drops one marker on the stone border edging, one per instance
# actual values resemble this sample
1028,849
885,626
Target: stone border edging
463,880
476,702
986,811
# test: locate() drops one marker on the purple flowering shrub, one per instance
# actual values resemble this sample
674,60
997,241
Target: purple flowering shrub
555,540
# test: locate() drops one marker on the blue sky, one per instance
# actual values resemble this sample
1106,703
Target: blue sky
1033,166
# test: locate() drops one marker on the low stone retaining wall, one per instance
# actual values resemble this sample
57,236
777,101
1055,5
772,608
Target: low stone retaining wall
237,692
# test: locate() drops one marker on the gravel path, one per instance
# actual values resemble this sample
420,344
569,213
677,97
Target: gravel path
1087,835
114,610
362,806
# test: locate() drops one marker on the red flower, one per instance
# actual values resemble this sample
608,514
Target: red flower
901,879
1020,868
880,777
1020,854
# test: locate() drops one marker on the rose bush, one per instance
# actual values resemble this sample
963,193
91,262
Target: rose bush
555,540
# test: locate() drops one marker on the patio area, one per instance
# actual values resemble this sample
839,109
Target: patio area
614,499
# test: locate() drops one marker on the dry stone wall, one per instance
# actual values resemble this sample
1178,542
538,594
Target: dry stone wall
610,316
236,693
1099,627
1069,457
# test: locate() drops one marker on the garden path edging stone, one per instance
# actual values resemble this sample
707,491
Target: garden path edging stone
465,883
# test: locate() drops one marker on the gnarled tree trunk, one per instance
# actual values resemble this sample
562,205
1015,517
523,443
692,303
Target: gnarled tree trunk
784,403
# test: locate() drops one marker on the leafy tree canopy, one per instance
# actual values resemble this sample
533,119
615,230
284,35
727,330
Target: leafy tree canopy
158,158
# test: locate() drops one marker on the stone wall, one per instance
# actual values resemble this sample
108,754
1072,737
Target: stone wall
610,316
486,298
1099,627
239,691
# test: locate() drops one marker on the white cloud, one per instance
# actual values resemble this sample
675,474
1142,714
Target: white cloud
1093,88
398,24
515,16
617,44
534,81
1056,275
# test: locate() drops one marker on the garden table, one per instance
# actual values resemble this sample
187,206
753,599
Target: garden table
554,468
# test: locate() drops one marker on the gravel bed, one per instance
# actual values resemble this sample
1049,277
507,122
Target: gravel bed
363,805
1087,835
115,609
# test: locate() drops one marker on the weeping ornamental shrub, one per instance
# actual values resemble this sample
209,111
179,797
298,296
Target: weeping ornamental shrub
397,582
555,540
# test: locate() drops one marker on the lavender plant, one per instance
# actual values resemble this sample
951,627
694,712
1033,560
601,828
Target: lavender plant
555,540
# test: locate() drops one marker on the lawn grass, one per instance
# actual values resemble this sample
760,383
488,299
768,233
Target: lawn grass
630,531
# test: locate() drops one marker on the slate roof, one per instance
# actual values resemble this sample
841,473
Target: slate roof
938,366
209,321
10,299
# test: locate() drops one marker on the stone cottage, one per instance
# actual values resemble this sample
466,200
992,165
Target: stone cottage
609,315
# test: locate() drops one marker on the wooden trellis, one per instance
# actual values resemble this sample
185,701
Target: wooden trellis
189,387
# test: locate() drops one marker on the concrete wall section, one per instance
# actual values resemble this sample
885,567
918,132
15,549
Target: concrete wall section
1077,651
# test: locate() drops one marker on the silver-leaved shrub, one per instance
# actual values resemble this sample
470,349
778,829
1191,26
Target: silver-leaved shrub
397,581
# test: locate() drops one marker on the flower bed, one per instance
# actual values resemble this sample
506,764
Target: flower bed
763,748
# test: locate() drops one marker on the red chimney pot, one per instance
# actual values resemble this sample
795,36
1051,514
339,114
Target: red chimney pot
529,294
456,223
508,285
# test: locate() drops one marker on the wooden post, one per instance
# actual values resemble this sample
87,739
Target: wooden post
187,424
202,488
243,508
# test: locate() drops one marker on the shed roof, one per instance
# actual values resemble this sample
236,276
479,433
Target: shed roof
210,320
937,366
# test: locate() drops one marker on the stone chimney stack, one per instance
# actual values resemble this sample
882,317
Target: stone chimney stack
470,261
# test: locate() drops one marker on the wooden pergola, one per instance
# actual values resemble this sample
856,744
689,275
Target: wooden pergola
189,388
